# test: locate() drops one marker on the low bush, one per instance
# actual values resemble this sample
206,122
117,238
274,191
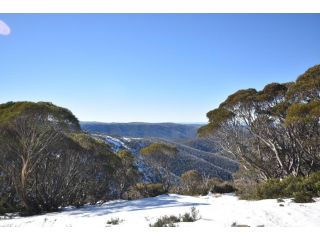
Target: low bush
273,188
193,183
223,188
303,197
142,190
192,216
114,221
170,221
166,221
301,189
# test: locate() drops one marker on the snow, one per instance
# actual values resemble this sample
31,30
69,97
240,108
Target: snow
215,211
131,138
116,143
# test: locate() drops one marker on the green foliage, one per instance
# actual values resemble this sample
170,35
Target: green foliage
157,149
304,113
191,177
103,171
244,96
91,144
219,115
47,162
307,85
127,174
301,189
127,155
275,131
303,197
48,111
160,158
192,183
273,188
271,91
216,118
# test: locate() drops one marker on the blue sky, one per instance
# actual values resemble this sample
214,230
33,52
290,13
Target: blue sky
150,67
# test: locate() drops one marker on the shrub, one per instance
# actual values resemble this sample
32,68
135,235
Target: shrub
270,189
301,189
166,221
153,190
132,194
192,216
8,206
312,184
142,190
303,197
223,188
192,183
170,221
114,221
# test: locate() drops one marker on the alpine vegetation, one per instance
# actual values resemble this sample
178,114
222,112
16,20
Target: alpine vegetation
47,162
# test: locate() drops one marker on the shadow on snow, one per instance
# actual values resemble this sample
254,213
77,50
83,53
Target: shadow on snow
135,205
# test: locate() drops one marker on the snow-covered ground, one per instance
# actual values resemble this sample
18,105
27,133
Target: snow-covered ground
215,210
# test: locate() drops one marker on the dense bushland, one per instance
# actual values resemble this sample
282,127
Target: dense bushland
160,157
275,136
46,162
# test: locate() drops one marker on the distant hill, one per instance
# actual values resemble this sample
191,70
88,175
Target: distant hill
169,131
193,153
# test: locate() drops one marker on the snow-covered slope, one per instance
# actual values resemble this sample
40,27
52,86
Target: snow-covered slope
215,210
188,158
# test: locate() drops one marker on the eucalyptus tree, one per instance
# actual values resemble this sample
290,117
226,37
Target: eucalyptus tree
275,131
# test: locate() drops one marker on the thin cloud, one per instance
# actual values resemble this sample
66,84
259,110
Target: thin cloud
4,29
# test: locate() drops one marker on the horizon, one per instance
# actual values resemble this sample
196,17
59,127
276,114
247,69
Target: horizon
150,68
179,123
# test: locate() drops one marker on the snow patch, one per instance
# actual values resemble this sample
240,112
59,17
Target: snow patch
116,144
215,210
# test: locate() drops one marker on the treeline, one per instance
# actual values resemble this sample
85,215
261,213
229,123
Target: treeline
274,132
47,162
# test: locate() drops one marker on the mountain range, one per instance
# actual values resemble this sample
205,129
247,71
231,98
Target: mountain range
169,131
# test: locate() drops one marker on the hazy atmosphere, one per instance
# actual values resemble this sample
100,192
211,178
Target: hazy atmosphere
151,67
